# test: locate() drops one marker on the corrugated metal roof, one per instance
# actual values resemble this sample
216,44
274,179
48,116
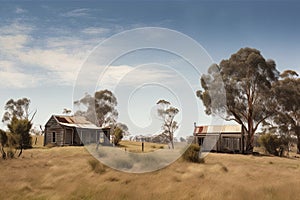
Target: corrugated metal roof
75,121
217,129
85,126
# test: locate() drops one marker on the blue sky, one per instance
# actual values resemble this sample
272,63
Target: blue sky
43,44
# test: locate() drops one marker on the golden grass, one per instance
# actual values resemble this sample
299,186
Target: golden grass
136,147
66,173
37,140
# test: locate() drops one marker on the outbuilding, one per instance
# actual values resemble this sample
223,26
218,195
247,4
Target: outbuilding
64,130
219,138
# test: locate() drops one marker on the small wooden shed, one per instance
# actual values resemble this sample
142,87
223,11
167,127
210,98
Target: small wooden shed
74,130
219,138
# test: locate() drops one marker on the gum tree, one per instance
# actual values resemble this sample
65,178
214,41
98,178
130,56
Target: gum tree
167,113
247,78
16,116
287,91
99,109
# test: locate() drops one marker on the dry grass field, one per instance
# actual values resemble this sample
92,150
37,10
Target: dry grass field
136,147
72,173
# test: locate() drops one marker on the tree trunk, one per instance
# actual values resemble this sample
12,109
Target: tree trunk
298,143
21,151
250,141
171,141
297,131
243,139
250,136
172,144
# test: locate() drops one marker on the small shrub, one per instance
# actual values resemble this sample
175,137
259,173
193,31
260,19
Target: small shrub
224,168
117,135
10,153
96,166
273,144
112,179
122,163
192,154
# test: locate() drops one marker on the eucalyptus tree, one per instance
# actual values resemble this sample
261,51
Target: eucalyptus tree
99,108
247,79
287,91
167,114
16,116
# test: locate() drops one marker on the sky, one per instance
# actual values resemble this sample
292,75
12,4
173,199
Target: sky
47,46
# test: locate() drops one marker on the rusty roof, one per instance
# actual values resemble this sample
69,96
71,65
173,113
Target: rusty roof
75,121
217,129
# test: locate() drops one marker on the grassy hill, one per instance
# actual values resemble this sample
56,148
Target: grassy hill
72,173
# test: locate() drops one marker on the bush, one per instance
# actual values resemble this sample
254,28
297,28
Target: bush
192,154
122,164
97,166
272,144
117,135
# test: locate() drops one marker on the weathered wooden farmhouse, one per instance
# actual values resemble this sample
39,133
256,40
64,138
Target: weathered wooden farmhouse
220,138
74,130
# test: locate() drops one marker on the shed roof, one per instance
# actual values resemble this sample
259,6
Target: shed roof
75,121
217,129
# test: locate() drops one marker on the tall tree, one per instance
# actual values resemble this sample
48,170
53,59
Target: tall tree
18,108
16,117
167,114
247,79
287,91
99,109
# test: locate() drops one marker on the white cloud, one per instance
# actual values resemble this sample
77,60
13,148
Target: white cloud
20,10
59,59
12,77
76,13
61,67
57,62
132,76
73,43
13,42
13,37
96,30
15,28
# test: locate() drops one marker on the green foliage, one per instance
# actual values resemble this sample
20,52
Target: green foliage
191,154
8,144
18,109
287,91
167,113
245,79
3,137
17,118
273,144
99,109
20,128
117,135
3,142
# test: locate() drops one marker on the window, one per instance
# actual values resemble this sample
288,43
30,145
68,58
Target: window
53,137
